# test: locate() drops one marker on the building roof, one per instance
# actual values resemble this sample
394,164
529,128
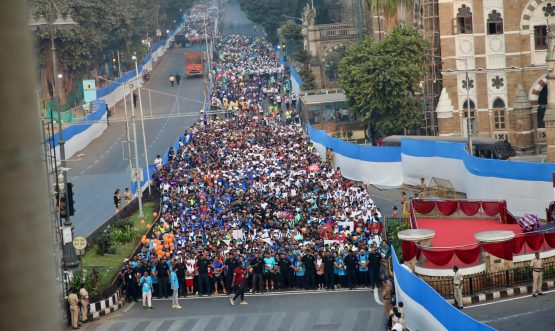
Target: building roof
322,98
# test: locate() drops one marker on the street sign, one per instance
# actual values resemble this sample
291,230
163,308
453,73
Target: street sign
79,243
89,90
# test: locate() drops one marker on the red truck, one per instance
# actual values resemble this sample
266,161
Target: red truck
194,64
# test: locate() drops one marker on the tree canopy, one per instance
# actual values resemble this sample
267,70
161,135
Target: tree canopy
381,79
103,27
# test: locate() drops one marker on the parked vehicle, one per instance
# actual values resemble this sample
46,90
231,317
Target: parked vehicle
194,64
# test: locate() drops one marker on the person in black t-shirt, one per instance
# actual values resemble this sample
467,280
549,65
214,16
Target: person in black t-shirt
230,265
203,281
351,264
329,261
257,270
310,270
374,267
163,277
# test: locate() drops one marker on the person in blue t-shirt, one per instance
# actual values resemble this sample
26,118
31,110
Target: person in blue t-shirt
174,284
341,270
269,270
363,276
146,286
299,272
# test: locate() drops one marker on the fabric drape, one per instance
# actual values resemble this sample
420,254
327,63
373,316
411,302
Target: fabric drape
518,243
447,207
468,255
503,250
438,258
534,240
490,208
550,239
409,250
423,206
469,208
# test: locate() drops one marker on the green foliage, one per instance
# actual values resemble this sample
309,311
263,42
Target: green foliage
381,78
123,235
393,226
301,56
105,244
103,27
389,7
269,13
123,224
90,282
291,31
307,76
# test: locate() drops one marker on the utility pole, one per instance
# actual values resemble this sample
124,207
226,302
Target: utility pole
137,165
70,258
28,273
359,21
142,124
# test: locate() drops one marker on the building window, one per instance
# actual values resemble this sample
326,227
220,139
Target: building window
464,19
495,23
472,106
499,114
540,36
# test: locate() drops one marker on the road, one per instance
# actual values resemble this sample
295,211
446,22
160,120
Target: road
103,168
519,313
320,310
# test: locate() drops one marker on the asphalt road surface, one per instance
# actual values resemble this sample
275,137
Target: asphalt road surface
103,168
517,314
320,310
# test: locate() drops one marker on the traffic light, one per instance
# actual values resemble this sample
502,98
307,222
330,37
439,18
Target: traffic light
71,202
114,59
283,46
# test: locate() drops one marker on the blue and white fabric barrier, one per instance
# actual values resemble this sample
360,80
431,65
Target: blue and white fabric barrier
425,309
527,186
369,164
77,136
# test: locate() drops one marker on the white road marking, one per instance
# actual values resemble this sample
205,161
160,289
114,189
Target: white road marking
504,300
377,298
194,297
537,311
129,306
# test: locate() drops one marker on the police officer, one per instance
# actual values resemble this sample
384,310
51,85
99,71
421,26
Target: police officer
457,287
73,301
537,277
84,304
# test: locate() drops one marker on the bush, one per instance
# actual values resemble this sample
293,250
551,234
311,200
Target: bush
89,282
122,224
105,244
123,235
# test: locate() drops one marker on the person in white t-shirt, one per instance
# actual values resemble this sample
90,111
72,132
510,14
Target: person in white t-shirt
158,162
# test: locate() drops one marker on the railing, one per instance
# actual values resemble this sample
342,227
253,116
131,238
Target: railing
490,281
338,33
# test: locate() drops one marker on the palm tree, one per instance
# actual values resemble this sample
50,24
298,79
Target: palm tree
387,7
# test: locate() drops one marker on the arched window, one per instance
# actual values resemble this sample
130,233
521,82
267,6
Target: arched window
499,113
540,36
465,105
495,23
464,19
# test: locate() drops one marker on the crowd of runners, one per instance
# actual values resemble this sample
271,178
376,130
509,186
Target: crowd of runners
200,24
247,202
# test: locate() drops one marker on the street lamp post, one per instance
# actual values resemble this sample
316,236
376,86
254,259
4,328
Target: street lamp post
468,117
142,123
53,22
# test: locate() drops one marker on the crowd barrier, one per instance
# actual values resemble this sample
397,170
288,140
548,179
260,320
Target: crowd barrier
78,136
425,309
526,186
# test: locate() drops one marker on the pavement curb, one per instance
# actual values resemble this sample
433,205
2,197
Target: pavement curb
106,306
506,293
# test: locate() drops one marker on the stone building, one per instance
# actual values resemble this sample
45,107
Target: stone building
494,71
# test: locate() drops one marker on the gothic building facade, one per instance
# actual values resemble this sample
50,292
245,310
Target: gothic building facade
493,55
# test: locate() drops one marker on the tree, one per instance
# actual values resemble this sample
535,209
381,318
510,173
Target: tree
309,81
301,56
380,79
389,7
291,31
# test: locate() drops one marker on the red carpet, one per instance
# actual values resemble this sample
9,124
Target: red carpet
458,232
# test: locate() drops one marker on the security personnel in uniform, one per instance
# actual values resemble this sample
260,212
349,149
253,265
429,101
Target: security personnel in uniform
73,301
537,277
84,304
457,287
